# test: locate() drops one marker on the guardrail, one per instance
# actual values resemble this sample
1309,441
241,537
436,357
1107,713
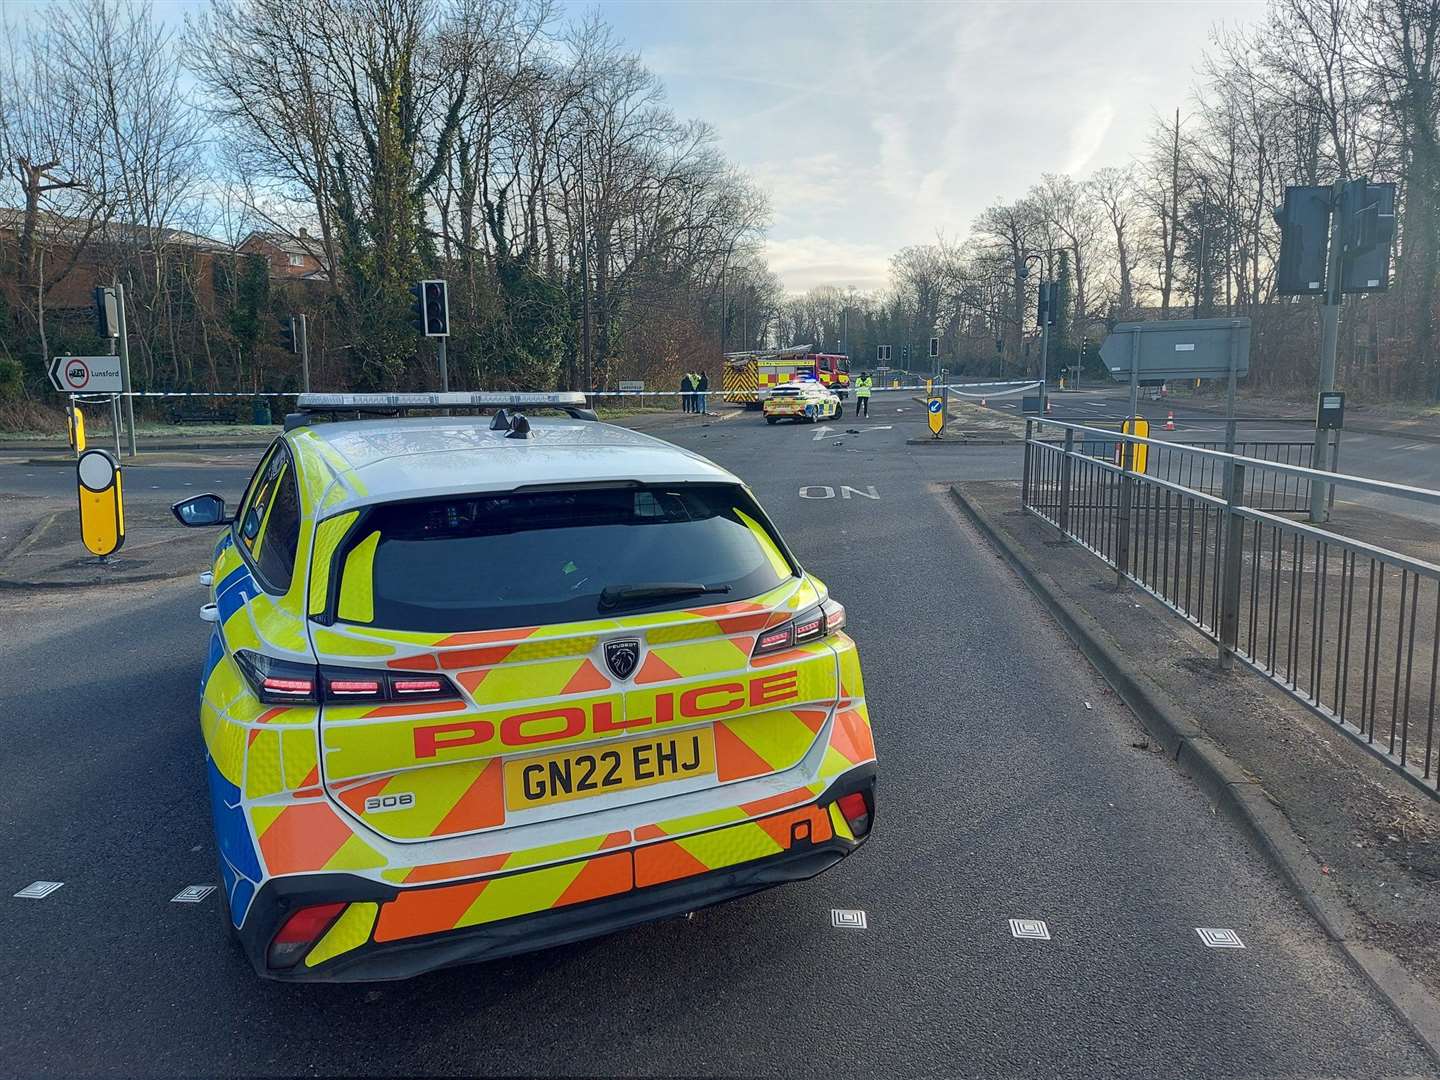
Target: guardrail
1350,629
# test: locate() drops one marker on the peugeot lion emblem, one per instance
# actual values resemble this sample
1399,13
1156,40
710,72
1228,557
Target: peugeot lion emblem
622,656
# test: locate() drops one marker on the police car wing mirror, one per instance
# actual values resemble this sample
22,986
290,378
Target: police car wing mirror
501,421
519,427
199,511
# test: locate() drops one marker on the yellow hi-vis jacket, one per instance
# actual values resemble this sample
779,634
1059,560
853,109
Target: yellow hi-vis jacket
862,386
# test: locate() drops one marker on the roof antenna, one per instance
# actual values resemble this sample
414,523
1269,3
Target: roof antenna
501,421
519,427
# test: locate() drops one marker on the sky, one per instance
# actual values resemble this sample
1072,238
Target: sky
877,125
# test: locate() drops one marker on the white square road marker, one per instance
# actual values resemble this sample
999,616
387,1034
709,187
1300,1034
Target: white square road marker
1219,938
192,894
38,890
848,919
1029,929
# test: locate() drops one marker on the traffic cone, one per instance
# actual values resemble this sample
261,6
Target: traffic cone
1170,420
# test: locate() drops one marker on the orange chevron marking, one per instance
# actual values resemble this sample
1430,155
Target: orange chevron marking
303,837
789,656
426,911
423,662
616,839
312,777
603,876
814,719
745,643
649,832
851,737
776,802
655,670
733,607
270,714
744,623
355,797
470,680
587,677
480,807
486,637
660,863
415,708
463,658
488,864
734,760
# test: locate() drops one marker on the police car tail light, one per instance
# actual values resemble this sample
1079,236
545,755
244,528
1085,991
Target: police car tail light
299,932
428,687
278,682
815,624
856,808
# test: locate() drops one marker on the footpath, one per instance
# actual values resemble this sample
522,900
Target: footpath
1358,843
39,542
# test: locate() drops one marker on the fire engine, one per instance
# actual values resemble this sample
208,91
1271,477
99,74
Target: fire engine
750,375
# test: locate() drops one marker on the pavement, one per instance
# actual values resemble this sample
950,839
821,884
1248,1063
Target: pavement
1011,788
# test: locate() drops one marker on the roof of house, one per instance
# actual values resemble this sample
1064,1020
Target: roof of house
290,245
427,457
58,227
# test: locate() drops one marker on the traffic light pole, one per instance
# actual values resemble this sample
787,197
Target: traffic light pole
1329,347
125,383
444,368
304,354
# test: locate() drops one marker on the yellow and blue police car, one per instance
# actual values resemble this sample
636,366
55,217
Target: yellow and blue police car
476,688
806,400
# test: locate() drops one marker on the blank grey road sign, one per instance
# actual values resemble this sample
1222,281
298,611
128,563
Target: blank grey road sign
1178,349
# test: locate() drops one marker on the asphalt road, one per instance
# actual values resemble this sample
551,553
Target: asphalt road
1010,789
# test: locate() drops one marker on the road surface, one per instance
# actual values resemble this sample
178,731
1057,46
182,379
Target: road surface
1011,789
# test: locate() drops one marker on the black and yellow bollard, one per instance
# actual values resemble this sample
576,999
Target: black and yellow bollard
102,505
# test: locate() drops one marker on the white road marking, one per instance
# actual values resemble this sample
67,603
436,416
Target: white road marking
1029,929
1219,938
846,491
38,890
840,433
192,894
848,919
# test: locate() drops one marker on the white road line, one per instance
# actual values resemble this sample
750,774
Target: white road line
38,890
848,919
1216,937
192,894
1029,929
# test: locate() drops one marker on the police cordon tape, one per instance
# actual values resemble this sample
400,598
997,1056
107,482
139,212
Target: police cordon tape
958,389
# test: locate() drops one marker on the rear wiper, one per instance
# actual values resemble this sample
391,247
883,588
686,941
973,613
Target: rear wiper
613,596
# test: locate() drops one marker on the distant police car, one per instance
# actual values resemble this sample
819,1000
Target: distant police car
478,688
803,399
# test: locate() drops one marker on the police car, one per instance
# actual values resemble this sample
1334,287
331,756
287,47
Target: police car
477,686
807,400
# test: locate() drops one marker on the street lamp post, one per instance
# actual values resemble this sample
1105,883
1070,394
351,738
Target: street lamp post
1043,257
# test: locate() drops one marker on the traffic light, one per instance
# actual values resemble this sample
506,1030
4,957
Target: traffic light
1368,226
934,346
289,340
905,352
1084,352
430,310
1304,223
107,313
1046,305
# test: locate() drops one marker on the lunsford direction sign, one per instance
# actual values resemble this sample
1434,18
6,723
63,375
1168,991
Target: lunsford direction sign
86,374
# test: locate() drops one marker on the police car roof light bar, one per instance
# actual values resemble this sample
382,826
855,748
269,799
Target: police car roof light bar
311,406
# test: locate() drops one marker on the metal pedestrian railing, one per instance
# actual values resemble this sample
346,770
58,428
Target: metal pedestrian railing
1350,629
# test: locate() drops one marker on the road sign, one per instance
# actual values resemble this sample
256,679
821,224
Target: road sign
631,385
1330,414
102,507
86,374
1178,349
936,408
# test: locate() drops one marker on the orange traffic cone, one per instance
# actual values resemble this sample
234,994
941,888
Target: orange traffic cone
1170,420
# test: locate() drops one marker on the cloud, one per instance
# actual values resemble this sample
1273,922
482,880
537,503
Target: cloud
1088,136
803,262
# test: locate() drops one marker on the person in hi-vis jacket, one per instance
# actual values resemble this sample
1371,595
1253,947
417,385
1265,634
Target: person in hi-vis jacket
862,394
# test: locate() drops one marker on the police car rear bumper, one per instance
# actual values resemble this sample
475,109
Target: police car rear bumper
402,959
